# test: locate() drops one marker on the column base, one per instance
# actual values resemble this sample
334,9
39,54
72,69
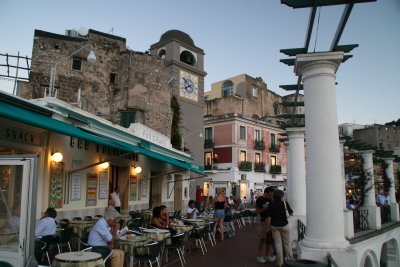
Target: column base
320,254
348,224
374,217
339,243
394,212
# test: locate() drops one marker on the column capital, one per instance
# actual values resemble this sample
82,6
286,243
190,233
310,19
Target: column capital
295,132
315,60
365,152
388,159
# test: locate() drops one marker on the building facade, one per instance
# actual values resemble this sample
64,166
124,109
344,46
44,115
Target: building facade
242,151
383,137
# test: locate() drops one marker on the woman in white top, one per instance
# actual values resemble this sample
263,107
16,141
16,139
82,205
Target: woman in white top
191,211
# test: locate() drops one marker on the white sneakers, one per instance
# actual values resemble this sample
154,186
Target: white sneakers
261,259
265,259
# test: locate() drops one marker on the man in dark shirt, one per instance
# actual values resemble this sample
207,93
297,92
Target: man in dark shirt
264,236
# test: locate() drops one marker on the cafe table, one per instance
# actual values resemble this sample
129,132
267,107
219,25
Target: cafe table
78,259
130,243
79,227
181,228
157,234
195,222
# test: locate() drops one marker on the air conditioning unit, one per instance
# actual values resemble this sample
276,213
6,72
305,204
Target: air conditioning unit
243,177
71,33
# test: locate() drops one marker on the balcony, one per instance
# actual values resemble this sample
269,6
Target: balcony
207,167
245,166
259,166
208,143
275,169
274,148
259,144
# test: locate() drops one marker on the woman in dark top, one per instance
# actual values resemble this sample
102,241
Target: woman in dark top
277,220
219,213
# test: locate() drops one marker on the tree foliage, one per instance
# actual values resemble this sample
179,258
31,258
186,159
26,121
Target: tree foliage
176,137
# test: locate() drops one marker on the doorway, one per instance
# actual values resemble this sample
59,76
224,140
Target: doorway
18,183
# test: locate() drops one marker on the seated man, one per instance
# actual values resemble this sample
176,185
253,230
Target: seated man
191,211
101,236
46,226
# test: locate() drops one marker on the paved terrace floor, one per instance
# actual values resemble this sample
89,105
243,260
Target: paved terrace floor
239,251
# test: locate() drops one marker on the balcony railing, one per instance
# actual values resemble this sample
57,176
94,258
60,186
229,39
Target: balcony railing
259,144
208,143
207,167
245,166
274,148
360,219
259,166
301,230
275,169
385,214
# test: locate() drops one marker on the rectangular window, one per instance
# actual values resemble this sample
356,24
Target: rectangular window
273,141
273,160
113,78
127,117
258,157
258,135
208,133
242,132
255,91
243,156
76,64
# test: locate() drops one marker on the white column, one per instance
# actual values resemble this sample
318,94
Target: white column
296,171
394,207
374,212
348,214
325,221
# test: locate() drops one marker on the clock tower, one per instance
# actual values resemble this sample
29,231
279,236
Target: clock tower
185,73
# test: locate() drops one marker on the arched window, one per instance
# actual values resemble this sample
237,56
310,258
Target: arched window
188,58
161,53
227,88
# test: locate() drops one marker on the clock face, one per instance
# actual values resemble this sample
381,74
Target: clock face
188,86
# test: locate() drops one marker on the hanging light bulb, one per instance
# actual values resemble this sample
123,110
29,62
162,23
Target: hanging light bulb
105,165
138,169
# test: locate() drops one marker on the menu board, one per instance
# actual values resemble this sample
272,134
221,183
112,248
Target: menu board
103,181
76,181
56,184
91,189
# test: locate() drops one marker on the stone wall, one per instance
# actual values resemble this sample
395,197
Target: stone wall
140,85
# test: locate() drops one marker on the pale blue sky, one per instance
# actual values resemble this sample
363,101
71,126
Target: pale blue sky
238,36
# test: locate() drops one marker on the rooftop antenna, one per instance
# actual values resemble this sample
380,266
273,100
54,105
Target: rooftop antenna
112,31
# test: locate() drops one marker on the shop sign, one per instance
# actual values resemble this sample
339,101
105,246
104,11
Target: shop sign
56,184
133,187
91,189
103,181
76,181
150,135
20,135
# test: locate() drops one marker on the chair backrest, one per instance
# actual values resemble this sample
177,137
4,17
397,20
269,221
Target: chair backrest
64,247
77,219
104,251
88,218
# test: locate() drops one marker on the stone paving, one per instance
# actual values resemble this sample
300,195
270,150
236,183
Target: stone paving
239,251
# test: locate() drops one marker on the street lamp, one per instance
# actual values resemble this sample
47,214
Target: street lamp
91,58
189,134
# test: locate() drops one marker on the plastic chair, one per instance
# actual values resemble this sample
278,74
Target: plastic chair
153,254
177,244
198,236
64,247
41,252
104,251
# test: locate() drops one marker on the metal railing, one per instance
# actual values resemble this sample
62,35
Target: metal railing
385,214
301,230
360,219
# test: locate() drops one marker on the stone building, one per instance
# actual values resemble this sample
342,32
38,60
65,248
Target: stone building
383,137
122,86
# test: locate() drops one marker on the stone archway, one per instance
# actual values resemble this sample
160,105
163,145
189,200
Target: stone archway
369,259
390,254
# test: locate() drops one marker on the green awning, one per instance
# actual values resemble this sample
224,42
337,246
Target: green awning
42,121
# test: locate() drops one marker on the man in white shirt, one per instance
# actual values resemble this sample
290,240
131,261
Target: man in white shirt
115,196
103,234
191,211
46,226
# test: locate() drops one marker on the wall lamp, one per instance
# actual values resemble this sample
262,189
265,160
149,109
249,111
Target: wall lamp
57,157
105,165
137,169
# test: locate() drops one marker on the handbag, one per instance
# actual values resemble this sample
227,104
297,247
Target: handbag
287,213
